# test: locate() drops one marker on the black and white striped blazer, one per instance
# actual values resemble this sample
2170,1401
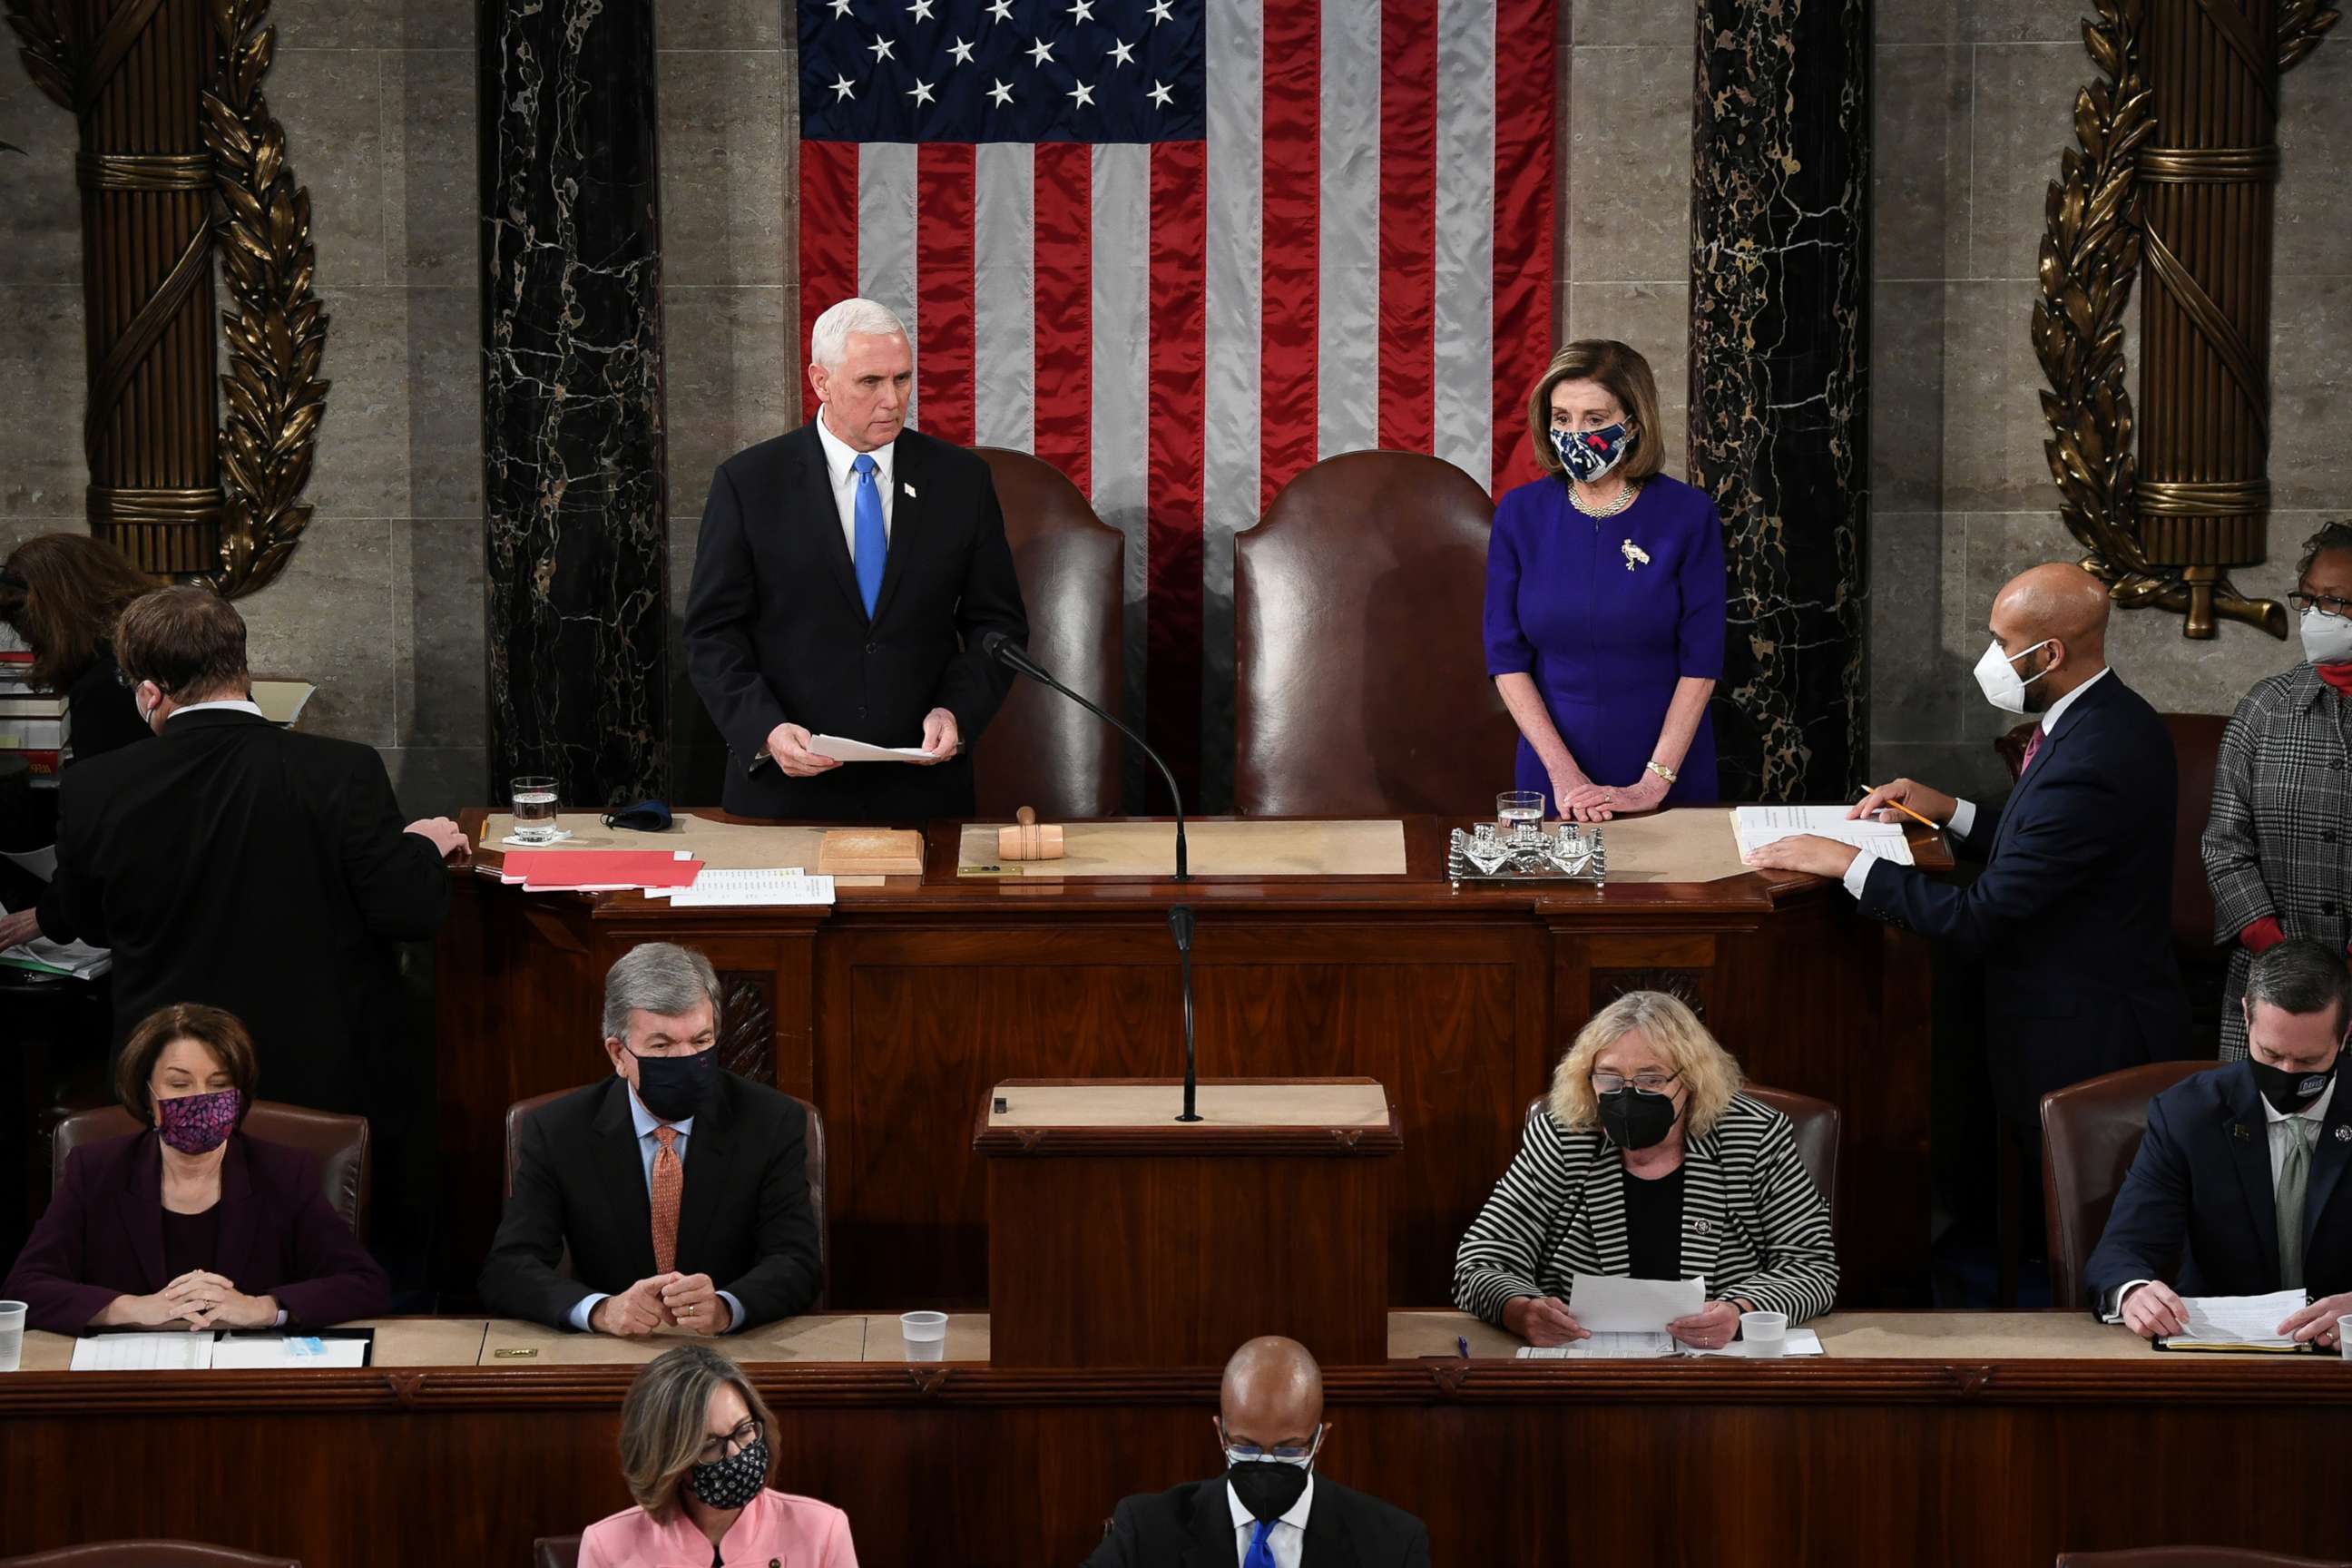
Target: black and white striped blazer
1754,1225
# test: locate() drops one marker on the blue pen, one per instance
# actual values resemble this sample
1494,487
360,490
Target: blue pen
1463,1345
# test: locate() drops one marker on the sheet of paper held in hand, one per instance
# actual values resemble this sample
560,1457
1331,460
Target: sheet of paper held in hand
1756,825
1627,1317
2237,1322
843,749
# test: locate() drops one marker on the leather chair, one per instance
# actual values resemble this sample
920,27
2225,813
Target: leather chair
522,1109
1041,749
1359,677
555,1552
148,1554
1815,1125
2192,1557
340,1144
2090,1132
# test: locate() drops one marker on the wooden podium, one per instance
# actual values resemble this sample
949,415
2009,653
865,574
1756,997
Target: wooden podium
1120,1236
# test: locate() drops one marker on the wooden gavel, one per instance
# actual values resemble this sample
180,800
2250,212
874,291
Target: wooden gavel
1028,841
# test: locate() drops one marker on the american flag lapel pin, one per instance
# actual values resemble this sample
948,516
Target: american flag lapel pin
2238,1131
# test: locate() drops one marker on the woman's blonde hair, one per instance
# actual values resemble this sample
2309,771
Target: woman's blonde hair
664,1421
1674,1031
1621,369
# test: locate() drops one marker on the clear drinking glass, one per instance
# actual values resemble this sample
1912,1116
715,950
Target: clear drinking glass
12,1334
533,798
1519,811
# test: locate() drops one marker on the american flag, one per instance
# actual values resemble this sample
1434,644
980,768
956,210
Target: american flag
1183,251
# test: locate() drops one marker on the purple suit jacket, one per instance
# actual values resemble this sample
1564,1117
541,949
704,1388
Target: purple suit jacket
103,1238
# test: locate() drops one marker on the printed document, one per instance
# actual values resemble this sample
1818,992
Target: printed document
843,749
1756,825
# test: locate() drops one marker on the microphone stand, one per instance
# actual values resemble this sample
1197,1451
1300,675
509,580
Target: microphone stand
1180,921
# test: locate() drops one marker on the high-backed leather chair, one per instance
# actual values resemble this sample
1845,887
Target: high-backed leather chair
1041,749
813,1145
2090,1132
1815,1123
148,1554
2192,1557
1360,666
340,1144
557,1550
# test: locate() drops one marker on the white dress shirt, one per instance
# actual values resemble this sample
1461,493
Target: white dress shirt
838,457
1963,812
1286,1539
233,704
2272,1119
649,1146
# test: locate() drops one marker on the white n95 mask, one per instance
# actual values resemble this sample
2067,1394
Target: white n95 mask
1997,676
2327,639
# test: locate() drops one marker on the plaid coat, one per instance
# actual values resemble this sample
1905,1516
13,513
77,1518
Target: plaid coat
2279,841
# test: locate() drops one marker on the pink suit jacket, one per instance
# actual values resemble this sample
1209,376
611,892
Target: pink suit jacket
776,1529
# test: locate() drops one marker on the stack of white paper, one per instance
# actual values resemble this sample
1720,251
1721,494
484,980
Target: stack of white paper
271,1351
41,955
718,889
842,749
1756,825
2250,1320
180,1351
1603,1347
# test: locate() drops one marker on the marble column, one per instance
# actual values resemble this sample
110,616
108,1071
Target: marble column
575,520
1780,356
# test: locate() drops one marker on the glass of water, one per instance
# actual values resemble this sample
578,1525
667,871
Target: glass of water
12,1334
1519,811
534,810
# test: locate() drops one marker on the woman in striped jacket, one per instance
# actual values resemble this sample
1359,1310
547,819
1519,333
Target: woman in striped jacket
1647,1162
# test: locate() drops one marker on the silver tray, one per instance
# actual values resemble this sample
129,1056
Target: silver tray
1570,854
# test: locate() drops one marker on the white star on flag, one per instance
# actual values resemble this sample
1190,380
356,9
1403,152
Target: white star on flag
961,51
920,10
880,49
1162,11
840,9
1001,93
1040,52
1159,95
1083,11
1121,54
921,92
842,90
1084,95
1002,11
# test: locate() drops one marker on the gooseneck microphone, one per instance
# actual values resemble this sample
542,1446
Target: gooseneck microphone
1013,656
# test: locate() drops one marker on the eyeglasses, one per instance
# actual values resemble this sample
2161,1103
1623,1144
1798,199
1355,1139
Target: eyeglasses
2326,603
1641,1083
715,1449
1250,1453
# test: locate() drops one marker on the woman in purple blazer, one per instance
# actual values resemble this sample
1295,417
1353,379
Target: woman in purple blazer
192,1224
1604,616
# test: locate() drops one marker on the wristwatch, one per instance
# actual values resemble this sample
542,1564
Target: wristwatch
1660,769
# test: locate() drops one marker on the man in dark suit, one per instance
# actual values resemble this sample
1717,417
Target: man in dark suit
2237,1189
680,1191
1269,1510
260,870
842,579
2072,917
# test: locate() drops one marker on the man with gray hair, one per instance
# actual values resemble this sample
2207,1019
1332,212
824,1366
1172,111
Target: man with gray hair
2237,1189
679,1191
844,576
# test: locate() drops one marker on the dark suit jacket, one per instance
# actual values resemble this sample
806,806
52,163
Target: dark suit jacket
580,1182
238,863
2197,1210
103,1238
776,633
2072,917
1191,1527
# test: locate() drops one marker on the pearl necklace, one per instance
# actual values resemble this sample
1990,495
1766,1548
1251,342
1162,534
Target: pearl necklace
1625,494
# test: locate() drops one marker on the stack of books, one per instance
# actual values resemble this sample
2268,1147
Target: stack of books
36,731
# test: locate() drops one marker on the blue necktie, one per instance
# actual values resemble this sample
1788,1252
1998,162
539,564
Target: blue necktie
871,545
1260,1552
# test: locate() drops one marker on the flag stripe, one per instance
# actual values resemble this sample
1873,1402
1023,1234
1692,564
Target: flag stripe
1178,269
1004,346
943,233
1122,403
885,243
1408,219
828,216
1348,308
1233,409
1065,187
1293,111
1524,105
1465,337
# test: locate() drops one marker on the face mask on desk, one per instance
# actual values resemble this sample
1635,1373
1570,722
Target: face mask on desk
2327,639
676,1087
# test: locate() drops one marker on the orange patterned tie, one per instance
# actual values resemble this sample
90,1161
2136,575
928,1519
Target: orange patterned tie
669,1182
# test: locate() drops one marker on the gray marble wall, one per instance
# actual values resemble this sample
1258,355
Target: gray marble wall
381,605
1974,101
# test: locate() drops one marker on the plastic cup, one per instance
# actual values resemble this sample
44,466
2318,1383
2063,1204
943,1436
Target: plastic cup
1766,1333
2343,1334
12,1334
926,1335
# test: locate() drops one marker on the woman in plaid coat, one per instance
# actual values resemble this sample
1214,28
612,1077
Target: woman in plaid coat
2278,845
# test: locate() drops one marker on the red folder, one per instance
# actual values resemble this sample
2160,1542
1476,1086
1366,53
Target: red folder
547,869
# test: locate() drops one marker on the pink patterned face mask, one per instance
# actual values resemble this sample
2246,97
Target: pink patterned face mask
200,1123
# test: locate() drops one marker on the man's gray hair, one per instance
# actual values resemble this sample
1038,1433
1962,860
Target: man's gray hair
659,977
829,339
2301,975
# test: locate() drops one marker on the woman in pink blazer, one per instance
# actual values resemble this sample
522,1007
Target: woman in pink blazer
694,1445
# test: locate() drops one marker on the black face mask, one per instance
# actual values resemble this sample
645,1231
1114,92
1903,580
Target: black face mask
1637,1120
677,1087
1267,1488
2289,1092
730,1483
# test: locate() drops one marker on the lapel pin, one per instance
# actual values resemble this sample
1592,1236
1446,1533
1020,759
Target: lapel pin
1634,554
2344,1134
905,489
1703,1227
2238,1131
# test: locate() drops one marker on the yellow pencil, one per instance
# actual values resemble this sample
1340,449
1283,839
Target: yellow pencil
1911,813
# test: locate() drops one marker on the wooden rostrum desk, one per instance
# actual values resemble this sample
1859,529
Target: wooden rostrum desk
1974,1440
895,1009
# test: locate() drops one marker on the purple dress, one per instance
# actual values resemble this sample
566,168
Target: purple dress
1606,634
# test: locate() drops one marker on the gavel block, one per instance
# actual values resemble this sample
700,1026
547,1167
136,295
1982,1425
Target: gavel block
1026,840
